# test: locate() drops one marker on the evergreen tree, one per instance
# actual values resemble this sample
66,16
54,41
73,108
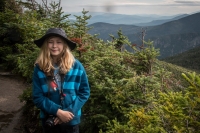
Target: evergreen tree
121,41
130,92
80,32
2,5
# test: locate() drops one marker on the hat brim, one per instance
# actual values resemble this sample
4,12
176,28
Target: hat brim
39,42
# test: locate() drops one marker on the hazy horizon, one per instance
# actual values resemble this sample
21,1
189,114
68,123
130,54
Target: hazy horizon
132,7
133,14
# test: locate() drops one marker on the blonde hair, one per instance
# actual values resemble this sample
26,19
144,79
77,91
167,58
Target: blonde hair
44,60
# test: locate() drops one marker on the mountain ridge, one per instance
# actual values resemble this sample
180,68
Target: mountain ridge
171,37
113,18
159,22
189,59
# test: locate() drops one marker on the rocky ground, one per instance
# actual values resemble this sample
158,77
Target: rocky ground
11,86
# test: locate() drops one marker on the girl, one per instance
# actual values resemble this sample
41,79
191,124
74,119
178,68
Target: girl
60,83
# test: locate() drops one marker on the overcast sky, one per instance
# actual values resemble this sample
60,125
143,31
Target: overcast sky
160,7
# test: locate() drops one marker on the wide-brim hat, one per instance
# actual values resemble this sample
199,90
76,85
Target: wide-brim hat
55,32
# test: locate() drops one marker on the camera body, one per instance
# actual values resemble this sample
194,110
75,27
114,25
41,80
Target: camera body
50,121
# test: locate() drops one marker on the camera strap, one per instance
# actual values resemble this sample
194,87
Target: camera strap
62,95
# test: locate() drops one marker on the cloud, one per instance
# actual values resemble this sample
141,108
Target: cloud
131,6
165,3
188,3
125,3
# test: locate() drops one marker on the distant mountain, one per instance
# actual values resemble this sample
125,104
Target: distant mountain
121,18
104,29
189,59
176,36
189,24
159,22
171,38
174,44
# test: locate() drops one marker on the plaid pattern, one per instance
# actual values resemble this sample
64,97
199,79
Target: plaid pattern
75,86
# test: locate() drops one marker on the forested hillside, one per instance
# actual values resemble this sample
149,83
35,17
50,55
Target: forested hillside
171,38
131,92
189,59
105,29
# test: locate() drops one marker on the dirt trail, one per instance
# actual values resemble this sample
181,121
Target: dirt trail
10,107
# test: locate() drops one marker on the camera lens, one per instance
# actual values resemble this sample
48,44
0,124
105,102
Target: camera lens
49,122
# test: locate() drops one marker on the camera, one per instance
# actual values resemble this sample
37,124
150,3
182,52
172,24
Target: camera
50,121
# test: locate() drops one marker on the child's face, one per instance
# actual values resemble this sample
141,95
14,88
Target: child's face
55,45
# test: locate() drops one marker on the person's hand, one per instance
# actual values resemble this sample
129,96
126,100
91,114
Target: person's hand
64,116
57,121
